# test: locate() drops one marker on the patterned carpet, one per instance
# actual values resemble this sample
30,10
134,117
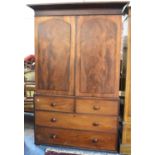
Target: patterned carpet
31,149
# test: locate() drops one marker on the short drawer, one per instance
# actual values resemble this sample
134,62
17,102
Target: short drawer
76,138
54,104
106,107
76,121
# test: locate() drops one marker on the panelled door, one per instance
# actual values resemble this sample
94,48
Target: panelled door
55,41
96,42
98,55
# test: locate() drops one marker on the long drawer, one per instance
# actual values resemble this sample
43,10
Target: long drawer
92,140
98,106
76,121
54,104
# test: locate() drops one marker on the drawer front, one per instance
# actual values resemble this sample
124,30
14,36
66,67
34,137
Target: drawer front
54,104
91,140
97,106
76,121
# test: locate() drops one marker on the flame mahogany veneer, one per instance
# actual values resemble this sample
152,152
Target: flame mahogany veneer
77,74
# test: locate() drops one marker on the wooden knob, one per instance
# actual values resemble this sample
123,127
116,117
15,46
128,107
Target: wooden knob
95,140
53,120
53,136
38,100
53,104
96,107
95,124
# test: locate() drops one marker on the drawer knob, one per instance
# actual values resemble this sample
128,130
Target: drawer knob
38,100
95,124
95,140
96,107
53,136
53,104
53,120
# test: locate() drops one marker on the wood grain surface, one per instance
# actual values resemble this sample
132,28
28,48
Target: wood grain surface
77,121
89,140
54,104
104,107
77,55
98,55
55,54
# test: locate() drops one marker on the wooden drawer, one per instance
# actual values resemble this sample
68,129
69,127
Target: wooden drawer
105,107
76,121
90,140
54,104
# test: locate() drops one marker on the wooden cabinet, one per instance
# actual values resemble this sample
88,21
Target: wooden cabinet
77,74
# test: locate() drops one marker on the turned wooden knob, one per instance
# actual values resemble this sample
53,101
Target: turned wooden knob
53,120
53,136
95,140
37,100
95,124
53,104
96,107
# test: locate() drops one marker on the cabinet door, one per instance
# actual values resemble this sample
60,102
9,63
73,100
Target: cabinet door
98,55
54,38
